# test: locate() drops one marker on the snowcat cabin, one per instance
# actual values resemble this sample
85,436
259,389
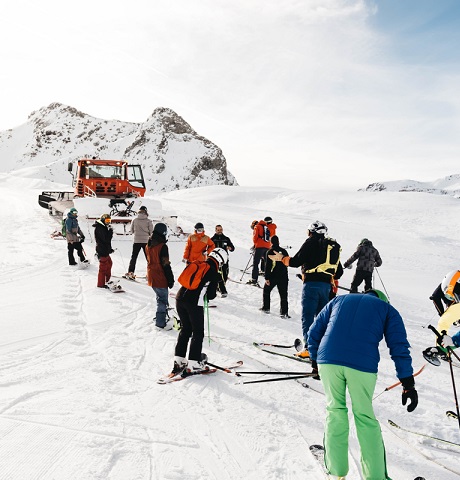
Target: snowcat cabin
108,178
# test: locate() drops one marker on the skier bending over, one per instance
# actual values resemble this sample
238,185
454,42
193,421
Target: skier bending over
344,346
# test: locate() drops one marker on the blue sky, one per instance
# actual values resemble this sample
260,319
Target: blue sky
326,93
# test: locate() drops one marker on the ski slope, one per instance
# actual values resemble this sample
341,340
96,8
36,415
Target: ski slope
78,365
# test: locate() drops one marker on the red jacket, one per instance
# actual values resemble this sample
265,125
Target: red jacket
258,237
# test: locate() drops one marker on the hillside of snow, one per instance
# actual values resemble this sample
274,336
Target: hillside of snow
78,365
449,185
171,153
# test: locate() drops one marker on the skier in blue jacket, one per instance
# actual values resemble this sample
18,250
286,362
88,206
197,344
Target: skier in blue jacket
343,344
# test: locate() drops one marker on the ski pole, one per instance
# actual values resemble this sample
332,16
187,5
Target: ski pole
399,383
281,379
380,278
297,342
449,357
206,306
247,265
273,373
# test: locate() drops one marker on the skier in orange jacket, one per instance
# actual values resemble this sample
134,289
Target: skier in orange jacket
198,245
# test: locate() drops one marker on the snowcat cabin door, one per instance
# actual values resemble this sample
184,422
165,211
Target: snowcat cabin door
136,178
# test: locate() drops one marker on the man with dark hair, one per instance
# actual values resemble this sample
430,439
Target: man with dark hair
222,241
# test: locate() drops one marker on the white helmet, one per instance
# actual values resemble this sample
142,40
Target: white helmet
220,255
449,285
317,227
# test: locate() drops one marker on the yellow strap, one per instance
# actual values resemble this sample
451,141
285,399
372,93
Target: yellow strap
326,265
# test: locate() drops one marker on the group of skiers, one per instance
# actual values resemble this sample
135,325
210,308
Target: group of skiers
341,334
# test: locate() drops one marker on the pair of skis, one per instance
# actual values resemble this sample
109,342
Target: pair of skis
184,374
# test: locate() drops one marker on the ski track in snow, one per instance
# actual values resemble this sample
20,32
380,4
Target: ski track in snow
78,365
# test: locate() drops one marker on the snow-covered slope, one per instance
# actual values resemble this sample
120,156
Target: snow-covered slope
449,185
78,365
171,153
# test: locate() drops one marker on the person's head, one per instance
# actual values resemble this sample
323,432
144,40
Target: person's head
161,229
219,229
220,255
317,228
143,209
268,220
275,241
254,223
74,212
379,294
105,219
199,227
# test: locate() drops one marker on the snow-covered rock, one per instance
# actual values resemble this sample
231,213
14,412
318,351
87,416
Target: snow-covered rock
172,154
449,185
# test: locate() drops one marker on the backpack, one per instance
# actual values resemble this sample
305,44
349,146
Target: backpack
192,275
63,228
266,234
332,258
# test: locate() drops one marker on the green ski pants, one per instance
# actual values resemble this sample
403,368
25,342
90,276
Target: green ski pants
361,385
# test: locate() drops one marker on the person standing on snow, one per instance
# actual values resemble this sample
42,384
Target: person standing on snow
159,274
261,244
368,257
318,273
103,234
448,291
272,231
74,237
142,228
190,308
276,275
222,241
344,347
198,245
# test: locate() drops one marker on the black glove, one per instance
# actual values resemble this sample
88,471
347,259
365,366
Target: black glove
314,370
111,251
82,239
409,393
170,284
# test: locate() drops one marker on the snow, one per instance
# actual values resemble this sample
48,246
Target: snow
79,365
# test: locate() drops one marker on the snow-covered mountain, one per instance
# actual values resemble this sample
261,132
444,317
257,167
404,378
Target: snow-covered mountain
172,154
449,185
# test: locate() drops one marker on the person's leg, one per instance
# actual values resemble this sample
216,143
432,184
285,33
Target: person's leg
132,263
361,387
314,296
356,282
70,254
185,332
79,249
266,296
101,276
283,291
162,306
196,343
367,280
255,266
336,427
108,273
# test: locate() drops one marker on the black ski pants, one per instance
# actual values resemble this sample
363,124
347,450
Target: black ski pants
192,328
78,248
258,255
137,247
282,285
223,276
361,275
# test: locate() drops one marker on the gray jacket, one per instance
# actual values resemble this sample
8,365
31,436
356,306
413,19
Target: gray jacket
73,231
368,257
142,228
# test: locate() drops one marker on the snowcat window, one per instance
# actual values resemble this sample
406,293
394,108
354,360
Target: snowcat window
105,171
135,176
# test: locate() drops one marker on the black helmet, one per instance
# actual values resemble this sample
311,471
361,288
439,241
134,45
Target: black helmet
198,225
142,208
268,219
161,229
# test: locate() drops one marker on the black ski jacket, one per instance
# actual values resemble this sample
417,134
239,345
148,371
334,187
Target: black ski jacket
103,235
222,241
275,270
